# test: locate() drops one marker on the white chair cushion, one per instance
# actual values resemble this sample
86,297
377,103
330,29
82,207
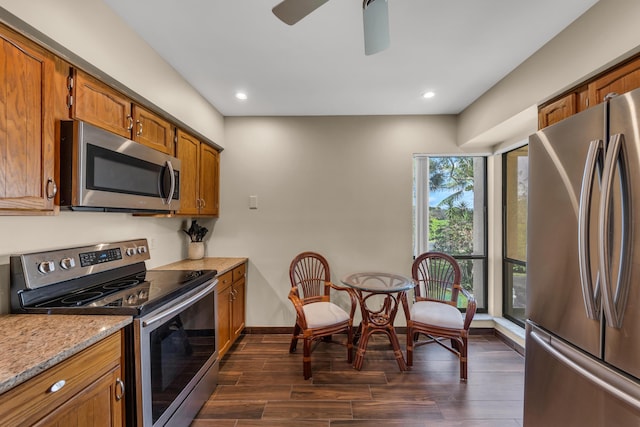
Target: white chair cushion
437,314
321,314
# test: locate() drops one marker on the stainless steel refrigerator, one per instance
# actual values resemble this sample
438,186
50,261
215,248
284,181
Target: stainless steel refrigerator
582,365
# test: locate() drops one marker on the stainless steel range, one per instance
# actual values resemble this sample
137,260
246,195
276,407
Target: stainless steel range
170,353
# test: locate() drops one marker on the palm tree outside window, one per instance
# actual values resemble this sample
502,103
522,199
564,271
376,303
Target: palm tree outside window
450,206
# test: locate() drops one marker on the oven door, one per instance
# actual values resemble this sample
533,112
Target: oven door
176,358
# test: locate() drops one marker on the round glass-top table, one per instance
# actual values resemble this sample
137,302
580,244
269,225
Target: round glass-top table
379,295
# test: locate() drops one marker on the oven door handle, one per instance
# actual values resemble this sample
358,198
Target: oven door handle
178,308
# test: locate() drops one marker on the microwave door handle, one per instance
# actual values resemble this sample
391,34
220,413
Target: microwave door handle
172,186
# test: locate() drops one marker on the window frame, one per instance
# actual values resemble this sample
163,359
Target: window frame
507,295
421,223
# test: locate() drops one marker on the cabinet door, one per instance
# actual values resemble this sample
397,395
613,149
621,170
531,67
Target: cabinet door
620,80
27,147
209,180
98,104
224,320
188,151
75,378
100,404
152,130
556,111
237,309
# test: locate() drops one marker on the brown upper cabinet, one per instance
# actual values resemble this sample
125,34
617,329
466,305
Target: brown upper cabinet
27,126
199,176
152,130
622,78
96,103
557,110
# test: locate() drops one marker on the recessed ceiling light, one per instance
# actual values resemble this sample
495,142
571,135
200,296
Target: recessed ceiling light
428,95
241,95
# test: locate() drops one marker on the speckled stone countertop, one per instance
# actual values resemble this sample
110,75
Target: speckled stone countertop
32,343
215,263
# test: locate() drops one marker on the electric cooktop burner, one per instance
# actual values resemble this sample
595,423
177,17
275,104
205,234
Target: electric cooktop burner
100,279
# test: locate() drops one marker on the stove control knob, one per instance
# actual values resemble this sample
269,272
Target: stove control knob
46,267
131,251
67,263
132,299
143,294
142,249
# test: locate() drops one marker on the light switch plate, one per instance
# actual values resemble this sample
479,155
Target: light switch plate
253,202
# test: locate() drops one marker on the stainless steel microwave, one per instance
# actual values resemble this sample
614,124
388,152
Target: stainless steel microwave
102,171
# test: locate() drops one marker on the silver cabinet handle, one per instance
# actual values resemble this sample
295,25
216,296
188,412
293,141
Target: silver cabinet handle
57,386
139,123
130,122
590,293
119,389
52,188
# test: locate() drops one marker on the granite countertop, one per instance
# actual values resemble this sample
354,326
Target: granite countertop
32,343
215,263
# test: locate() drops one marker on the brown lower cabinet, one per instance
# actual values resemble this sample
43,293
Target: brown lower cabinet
85,389
231,307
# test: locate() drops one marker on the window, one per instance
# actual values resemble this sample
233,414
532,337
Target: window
515,167
450,216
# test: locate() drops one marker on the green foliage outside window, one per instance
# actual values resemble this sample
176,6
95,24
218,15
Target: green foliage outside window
451,219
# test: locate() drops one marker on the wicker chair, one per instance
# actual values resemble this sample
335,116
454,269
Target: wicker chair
434,312
316,317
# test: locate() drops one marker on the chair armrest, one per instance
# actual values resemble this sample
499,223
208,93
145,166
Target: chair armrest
352,297
297,304
471,307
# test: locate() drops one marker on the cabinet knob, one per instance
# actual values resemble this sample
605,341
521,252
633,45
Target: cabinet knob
52,188
57,386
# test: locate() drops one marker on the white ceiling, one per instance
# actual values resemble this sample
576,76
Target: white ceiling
456,48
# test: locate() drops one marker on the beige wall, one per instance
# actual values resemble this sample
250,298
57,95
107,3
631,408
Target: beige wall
92,31
341,186
34,233
605,34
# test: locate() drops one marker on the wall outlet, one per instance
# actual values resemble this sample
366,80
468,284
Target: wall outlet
152,243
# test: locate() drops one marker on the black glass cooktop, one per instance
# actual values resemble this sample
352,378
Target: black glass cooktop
132,294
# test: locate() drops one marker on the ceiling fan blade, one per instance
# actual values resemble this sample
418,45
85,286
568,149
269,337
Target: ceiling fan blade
375,15
291,11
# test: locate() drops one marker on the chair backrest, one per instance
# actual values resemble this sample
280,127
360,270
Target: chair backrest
309,272
436,275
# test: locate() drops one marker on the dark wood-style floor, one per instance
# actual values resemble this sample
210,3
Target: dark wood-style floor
261,384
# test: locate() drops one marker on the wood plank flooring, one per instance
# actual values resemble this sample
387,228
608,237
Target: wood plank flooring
261,385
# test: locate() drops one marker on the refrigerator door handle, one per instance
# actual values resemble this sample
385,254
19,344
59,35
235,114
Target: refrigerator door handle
608,380
615,302
590,293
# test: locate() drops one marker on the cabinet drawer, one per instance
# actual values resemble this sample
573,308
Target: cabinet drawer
34,399
239,272
225,280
